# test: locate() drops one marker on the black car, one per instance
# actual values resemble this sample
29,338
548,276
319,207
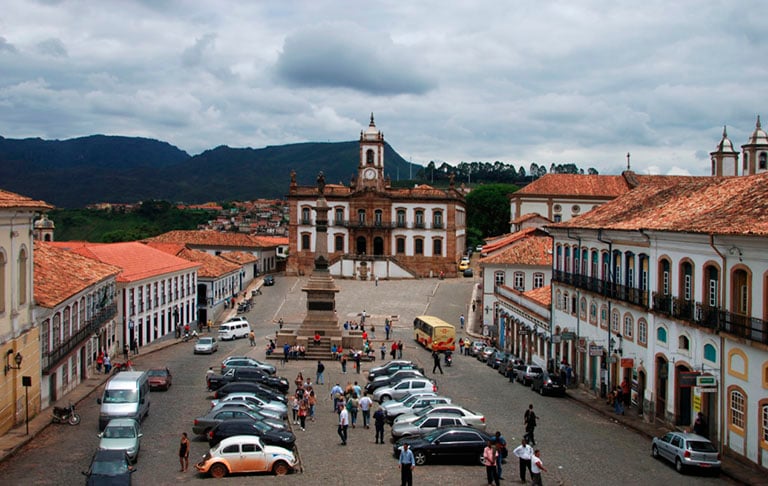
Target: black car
268,434
392,367
109,467
507,368
250,387
390,380
446,444
269,280
547,384
495,360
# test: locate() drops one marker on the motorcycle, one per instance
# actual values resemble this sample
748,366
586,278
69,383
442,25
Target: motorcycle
63,415
118,367
448,358
188,336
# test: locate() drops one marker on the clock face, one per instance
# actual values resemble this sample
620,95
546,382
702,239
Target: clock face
370,174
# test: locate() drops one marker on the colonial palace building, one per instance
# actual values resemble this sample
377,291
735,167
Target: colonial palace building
374,230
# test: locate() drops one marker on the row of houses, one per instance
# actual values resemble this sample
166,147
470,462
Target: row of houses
61,303
657,280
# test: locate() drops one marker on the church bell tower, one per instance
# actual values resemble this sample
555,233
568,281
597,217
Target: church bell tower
370,169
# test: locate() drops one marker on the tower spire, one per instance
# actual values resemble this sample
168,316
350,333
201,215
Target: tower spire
628,161
373,124
757,125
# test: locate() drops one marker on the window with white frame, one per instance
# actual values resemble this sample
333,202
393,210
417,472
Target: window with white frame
628,327
519,278
764,422
737,409
498,277
538,280
642,332
615,321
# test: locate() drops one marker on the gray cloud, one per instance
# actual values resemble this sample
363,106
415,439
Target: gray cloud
344,56
6,46
52,47
193,55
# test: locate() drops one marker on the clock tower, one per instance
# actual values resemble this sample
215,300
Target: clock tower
370,169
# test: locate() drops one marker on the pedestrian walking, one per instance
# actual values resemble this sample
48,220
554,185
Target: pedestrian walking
490,458
344,364
343,425
208,373
393,350
376,279
406,463
99,361
399,350
135,346
295,406
107,364
536,468
529,420
461,321
378,422
383,351
303,412
312,404
436,361
387,327
319,378
353,405
336,393
357,362
501,446
252,338
524,453
184,452
365,407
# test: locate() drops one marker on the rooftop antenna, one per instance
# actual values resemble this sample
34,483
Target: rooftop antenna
410,168
627,160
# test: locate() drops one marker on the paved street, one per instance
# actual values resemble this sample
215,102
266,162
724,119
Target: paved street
578,446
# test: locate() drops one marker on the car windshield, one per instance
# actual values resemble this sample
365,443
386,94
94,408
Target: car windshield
156,373
119,432
261,427
205,340
701,446
424,411
535,369
109,468
120,396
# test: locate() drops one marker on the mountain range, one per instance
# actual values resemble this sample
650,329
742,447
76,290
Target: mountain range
100,168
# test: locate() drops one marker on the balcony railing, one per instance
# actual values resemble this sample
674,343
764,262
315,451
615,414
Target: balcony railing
92,326
603,287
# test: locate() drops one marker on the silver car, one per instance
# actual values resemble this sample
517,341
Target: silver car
412,404
476,420
122,434
405,387
267,414
426,424
686,451
206,345
277,407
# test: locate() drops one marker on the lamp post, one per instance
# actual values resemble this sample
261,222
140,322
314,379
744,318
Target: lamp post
17,359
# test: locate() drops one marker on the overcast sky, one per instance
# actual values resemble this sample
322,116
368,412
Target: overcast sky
582,81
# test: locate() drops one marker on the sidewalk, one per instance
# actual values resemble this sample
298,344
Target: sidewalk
17,437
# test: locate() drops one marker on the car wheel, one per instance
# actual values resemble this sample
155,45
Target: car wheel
280,468
655,452
420,457
679,465
219,470
384,398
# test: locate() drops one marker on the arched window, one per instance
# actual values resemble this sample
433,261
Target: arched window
566,302
683,343
664,276
642,332
305,216
56,331
519,278
369,157
23,276
339,243
401,218
593,313
710,353
437,247
45,336
498,277
361,216
418,246
2,281
583,308
604,317
712,285
305,245
419,218
661,335
400,245
538,280
377,217
67,323
437,219
686,272
629,327
762,161
615,321
737,409
558,300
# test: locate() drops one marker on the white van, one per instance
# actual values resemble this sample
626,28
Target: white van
125,396
234,329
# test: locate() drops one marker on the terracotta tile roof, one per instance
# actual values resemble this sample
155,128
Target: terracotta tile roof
273,240
542,295
528,217
137,261
210,266
12,200
219,239
60,274
239,257
531,247
709,205
606,186
493,244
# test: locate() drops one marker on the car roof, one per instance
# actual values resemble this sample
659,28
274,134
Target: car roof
236,439
109,455
122,422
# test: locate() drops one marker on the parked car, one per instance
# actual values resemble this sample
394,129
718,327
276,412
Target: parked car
486,353
687,451
277,417
477,347
426,424
254,375
160,379
269,435
473,419
206,345
206,423
269,280
249,387
463,264
274,405
405,387
397,401
392,367
389,380
495,360
451,444
527,374
547,384
246,454
516,370
245,361
467,272
507,368
122,434
413,404
108,467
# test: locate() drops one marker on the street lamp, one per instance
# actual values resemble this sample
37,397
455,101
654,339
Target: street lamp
17,359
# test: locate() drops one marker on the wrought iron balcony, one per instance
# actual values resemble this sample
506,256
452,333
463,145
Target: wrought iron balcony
92,326
603,287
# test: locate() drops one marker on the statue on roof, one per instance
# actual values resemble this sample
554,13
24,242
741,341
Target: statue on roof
293,176
321,183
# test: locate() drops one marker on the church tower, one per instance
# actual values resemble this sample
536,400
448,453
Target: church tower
725,160
755,152
370,170
43,229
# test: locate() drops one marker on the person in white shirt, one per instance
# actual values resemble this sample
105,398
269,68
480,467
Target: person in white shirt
524,453
343,425
365,407
536,468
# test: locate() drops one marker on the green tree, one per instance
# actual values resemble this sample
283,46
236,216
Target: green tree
488,209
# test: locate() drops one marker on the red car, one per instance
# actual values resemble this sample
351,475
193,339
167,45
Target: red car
160,378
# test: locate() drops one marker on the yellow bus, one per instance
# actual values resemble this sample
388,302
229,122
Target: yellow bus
434,333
